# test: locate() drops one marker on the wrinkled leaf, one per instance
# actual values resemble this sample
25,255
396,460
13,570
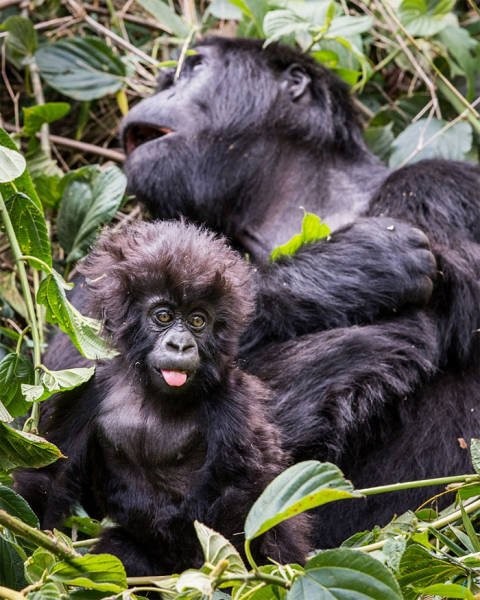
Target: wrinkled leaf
102,572
30,228
90,199
11,566
15,370
420,568
84,332
49,591
21,449
40,561
15,505
447,590
52,382
303,486
425,18
418,142
475,454
166,17
81,68
35,116
21,39
313,229
195,580
216,548
12,164
345,574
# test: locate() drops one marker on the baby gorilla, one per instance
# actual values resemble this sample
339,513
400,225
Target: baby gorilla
170,430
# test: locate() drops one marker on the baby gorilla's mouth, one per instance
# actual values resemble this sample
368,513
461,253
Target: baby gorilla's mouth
137,134
174,378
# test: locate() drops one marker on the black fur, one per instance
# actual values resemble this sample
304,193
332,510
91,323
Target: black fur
151,455
366,369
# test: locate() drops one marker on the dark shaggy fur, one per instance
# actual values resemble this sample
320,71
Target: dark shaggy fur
150,456
368,368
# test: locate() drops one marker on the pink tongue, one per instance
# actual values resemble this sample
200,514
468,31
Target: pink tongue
174,378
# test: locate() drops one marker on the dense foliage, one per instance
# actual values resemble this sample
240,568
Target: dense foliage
69,71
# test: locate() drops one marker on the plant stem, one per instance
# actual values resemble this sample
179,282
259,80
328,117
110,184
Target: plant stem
248,554
8,594
36,536
407,485
257,576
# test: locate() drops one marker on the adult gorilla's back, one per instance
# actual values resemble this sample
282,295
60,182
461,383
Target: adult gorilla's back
366,372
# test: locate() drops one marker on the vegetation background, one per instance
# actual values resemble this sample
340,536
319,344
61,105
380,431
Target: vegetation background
69,71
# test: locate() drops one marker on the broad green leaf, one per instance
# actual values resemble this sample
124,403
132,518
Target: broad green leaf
15,370
31,229
23,183
90,527
38,563
166,17
423,139
90,199
223,9
12,164
446,590
475,454
52,382
102,572
313,229
84,332
303,486
426,18
35,116
345,574
49,591
195,580
346,26
420,568
255,10
380,139
283,23
81,68
21,39
11,566
15,505
216,548
21,449
468,491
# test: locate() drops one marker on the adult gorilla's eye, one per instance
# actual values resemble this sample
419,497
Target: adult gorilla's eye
197,321
163,316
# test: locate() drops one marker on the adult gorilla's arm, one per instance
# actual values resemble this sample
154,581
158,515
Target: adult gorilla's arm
340,380
370,269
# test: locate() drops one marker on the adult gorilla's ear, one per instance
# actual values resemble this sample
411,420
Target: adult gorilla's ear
296,81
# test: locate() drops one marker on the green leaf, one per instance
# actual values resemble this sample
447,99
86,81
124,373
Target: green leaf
38,563
224,10
380,139
84,332
420,568
313,229
216,548
11,566
12,164
21,449
81,68
426,18
21,40
346,26
345,574
90,199
418,142
102,572
166,17
447,590
195,580
475,454
15,370
303,486
35,116
255,10
52,382
15,505
23,183
49,591
31,229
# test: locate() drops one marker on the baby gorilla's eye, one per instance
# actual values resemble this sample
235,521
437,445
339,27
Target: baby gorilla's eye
197,321
163,316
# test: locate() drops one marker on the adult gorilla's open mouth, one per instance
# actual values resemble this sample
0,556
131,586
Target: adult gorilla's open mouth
137,134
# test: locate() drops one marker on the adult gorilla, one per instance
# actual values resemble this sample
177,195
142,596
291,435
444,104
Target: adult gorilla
364,375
